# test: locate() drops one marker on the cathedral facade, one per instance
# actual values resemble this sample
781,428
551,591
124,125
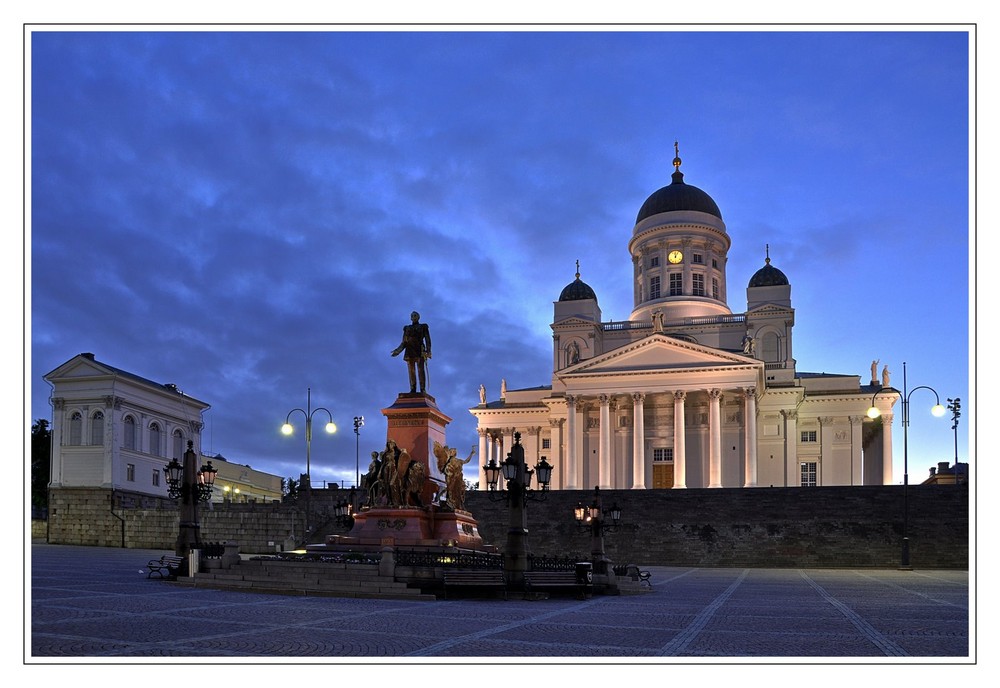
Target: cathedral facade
686,393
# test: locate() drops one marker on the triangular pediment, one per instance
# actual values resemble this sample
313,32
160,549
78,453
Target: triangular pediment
79,367
658,353
573,321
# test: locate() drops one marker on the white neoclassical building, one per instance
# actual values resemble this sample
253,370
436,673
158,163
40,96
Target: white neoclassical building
113,430
686,393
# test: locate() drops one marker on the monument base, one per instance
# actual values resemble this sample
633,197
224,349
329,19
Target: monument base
408,527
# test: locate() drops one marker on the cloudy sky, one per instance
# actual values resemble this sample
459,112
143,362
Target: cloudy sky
252,213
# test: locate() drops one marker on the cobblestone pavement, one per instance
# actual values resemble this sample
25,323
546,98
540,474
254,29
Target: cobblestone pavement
94,602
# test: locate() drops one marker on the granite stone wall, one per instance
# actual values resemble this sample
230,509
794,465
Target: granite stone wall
852,527
762,527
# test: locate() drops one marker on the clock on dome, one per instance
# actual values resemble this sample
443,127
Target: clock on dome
675,257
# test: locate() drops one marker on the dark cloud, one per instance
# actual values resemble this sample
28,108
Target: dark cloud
251,214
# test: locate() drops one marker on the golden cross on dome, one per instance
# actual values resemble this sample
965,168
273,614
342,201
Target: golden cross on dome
677,156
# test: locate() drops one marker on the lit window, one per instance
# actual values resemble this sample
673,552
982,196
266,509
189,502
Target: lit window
654,287
663,454
808,473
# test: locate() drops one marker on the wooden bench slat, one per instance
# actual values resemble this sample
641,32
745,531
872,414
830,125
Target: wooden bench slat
475,579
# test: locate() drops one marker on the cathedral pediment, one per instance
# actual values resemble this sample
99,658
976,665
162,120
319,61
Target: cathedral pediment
659,354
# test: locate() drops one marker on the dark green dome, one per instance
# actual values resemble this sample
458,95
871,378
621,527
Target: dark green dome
577,290
768,276
678,196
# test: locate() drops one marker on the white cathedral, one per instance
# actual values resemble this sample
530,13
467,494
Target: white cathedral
686,393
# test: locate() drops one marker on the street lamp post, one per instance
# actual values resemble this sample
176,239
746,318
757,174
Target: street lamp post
936,410
955,406
359,422
593,518
287,429
518,477
191,485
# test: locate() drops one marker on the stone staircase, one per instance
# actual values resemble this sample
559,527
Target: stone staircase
307,578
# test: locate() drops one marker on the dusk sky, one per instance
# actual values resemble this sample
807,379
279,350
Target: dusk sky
248,214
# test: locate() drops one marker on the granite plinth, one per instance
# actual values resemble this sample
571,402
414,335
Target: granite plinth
411,527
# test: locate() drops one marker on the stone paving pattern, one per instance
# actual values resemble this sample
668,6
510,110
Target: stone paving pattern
96,602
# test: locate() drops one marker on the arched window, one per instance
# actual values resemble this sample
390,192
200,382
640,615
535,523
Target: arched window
178,444
97,428
154,439
128,436
76,428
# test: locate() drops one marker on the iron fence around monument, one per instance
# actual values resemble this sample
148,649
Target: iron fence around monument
460,559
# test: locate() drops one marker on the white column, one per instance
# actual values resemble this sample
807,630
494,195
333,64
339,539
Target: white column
680,464
638,442
604,453
556,455
572,481
886,448
857,475
715,438
483,456
750,437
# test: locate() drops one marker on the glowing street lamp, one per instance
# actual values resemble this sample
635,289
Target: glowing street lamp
937,410
288,429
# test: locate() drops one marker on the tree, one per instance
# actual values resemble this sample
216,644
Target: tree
41,451
290,488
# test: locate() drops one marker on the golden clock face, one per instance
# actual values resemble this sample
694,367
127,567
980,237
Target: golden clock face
675,257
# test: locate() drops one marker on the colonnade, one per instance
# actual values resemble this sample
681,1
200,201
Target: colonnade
566,455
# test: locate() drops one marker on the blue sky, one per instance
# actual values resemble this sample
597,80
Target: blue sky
249,214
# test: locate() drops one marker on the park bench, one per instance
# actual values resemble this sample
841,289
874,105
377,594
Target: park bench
632,571
166,567
477,579
537,581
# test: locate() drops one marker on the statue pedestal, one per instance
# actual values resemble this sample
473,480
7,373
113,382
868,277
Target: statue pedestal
415,423
411,527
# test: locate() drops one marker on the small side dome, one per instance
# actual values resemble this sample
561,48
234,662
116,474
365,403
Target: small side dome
577,290
768,276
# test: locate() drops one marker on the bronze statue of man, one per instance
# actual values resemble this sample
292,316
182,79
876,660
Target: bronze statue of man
416,348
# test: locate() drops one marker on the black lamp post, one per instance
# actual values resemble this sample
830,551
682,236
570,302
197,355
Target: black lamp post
955,406
594,518
517,477
936,410
359,422
191,485
287,429
343,512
